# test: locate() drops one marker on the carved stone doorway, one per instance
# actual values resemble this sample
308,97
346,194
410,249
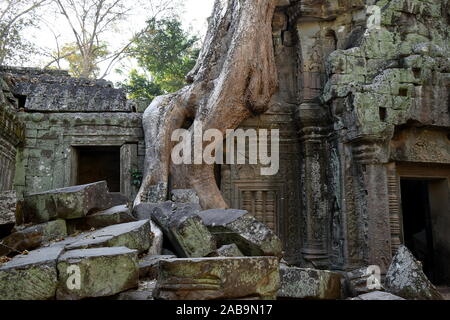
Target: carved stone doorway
99,163
425,217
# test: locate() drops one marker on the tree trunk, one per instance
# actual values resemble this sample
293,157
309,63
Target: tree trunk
234,79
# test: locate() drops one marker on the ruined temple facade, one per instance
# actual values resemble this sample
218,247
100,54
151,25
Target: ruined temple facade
364,119
74,131
363,113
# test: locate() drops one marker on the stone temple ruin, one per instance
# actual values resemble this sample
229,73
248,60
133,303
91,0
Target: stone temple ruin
364,117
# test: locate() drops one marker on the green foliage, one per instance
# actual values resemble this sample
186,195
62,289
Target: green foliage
167,53
79,65
139,87
136,177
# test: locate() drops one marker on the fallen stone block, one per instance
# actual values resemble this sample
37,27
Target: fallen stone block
148,265
66,203
143,211
405,278
229,250
361,281
185,230
377,295
97,272
300,283
30,277
33,237
115,215
8,204
114,199
252,237
218,278
133,235
144,292
184,196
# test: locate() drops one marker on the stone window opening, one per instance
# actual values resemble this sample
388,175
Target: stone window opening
21,100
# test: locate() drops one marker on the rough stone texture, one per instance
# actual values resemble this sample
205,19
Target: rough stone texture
144,292
11,134
30,277
357,281
314,284
185,230
377,295
117,199
229,250
115,215
237,226
405,278
66,203
158,238
133,235
148,265
217,278
8,203
56,91
32,237
184,195
143,211
104,272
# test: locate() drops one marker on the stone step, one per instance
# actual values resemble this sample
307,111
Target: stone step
66,203
252,237
218,278
100,272
30,277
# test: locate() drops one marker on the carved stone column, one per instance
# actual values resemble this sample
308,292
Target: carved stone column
314,131
374,207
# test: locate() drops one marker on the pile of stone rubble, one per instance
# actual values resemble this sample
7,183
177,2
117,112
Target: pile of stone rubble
84,242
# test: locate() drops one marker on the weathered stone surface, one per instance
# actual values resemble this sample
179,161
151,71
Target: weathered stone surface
184,196
66,203
56,91
30,277
148,265
103,272
358,280
217,278
405,278
133,235
143,211
115,215
237,226
185,230
377,295
115,199
32,237
143,292
229,250
315,284
8,203
158,237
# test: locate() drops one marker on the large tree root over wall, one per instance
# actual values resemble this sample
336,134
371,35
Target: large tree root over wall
234,78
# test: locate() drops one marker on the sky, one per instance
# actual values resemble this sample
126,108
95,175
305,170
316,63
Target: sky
194,17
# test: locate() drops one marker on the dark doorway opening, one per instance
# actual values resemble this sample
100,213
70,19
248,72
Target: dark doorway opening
417,224
98,164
